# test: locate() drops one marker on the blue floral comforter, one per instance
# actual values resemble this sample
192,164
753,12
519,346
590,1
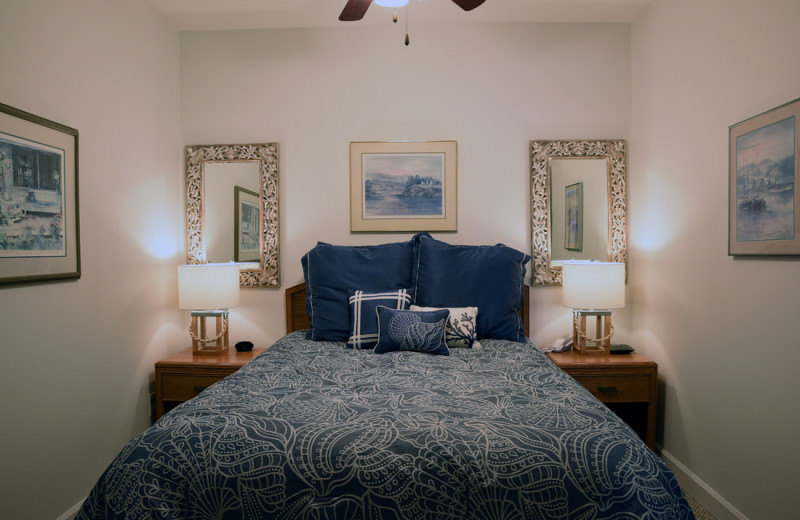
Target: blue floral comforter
310,430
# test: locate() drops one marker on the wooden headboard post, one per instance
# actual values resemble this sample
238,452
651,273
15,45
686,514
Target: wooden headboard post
297,319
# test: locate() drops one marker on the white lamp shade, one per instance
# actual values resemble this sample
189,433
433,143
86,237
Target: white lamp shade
593,285
208,286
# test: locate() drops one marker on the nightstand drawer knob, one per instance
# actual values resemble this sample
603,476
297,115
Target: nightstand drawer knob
607,389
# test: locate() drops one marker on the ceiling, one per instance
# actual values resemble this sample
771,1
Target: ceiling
199,15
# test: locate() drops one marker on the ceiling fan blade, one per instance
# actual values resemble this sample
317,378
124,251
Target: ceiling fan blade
354,10
468,5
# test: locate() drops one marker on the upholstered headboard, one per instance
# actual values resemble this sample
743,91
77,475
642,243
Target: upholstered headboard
297,319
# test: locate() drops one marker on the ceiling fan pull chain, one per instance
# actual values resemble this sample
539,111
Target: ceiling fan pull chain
406,25
394,16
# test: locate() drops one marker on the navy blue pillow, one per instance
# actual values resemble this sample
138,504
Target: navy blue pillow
363,318
418,331
332,271
490,278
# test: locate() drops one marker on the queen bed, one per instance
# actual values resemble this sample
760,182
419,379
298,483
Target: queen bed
312,429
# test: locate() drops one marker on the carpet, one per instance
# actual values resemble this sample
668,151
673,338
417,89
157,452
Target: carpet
700,512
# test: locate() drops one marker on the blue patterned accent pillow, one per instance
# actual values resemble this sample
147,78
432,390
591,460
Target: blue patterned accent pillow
420,331
363,317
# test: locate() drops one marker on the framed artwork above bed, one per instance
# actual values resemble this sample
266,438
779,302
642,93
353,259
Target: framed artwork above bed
403,186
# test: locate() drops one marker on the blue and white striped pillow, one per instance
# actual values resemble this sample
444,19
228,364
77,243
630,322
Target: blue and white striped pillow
364,318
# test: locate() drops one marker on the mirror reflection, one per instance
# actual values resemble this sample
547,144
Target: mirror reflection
231,212
578,205
578,209
232,209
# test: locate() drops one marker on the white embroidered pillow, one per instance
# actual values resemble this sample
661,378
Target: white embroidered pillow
460,331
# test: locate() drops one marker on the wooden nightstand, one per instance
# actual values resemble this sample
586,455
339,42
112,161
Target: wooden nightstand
626,383
183,375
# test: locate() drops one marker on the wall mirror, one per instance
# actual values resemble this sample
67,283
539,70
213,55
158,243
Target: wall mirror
578,205
232,209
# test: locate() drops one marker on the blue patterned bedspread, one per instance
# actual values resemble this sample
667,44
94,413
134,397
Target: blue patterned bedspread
310,430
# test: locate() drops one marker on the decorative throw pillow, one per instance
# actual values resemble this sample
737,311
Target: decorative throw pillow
409,330
460,329
363,316
488,277
332,271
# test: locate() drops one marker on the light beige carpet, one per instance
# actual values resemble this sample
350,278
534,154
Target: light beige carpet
700,512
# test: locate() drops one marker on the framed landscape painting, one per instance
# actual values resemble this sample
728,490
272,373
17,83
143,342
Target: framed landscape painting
403,186
39,231
763,215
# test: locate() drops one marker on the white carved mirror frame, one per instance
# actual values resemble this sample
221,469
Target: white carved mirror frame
268,272
541,152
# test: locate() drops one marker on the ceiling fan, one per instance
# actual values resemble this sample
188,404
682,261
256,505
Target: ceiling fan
355,9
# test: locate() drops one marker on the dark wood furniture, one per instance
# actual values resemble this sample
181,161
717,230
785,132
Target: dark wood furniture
184,374
626,383
297,319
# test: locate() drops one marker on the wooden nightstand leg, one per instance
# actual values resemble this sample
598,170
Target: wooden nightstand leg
159,398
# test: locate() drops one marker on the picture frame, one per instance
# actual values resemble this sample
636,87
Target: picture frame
573,217
39,214
763,211
403,186
245,222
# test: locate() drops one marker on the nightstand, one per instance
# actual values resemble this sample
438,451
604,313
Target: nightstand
626,383
183,375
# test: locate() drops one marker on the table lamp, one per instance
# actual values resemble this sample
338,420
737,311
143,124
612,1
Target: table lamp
593,289
208,290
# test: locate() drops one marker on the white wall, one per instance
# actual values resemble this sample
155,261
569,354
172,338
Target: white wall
77,356
723,329
491,87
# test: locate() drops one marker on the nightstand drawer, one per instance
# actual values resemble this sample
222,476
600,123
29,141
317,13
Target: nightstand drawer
182,387
617,387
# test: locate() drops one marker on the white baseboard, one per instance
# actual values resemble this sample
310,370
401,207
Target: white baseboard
72,511
702,492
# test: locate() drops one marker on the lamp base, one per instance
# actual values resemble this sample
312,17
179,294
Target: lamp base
201,344
601,343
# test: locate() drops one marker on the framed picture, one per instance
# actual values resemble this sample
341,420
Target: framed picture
39,230
763,214
403,186
245,222
573,204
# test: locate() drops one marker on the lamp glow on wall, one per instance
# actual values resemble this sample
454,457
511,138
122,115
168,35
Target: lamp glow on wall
593,289
208,290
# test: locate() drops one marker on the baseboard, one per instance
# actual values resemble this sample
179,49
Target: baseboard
702,492
72,511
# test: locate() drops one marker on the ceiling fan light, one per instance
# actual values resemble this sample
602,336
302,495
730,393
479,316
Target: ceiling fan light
392,3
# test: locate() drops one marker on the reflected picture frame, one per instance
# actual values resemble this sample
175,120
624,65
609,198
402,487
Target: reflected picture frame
573,209
403,186
39,213
763,169
245,223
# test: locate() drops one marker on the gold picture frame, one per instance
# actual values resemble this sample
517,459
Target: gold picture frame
403,186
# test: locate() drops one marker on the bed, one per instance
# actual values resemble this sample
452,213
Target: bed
312,429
